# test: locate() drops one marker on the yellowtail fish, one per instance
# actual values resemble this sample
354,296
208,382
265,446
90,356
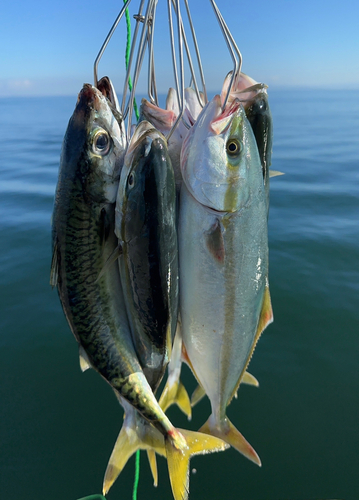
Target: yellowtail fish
145,226
223,250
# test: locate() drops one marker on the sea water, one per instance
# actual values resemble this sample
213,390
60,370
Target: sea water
58,426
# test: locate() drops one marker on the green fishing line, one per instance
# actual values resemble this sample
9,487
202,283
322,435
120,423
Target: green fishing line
137,475
127,56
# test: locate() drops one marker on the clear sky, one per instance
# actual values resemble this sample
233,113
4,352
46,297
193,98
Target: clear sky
48,48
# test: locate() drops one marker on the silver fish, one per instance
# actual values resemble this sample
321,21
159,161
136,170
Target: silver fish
223,249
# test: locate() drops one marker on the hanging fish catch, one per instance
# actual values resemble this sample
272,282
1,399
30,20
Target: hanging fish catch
160,242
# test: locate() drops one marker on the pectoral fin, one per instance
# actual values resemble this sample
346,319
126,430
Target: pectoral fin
215,242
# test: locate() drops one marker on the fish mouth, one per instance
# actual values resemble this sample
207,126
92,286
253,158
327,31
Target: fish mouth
222,122
89,97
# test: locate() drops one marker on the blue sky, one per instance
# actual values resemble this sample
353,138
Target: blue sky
48,48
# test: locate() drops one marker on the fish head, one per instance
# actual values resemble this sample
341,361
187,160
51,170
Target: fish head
161,119
244,88
259,116
142,180
95,143
219,157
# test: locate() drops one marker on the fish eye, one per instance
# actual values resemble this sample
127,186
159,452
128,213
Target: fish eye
101,142
131,180
233,147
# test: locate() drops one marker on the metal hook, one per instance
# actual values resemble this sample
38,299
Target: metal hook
231,44
105,43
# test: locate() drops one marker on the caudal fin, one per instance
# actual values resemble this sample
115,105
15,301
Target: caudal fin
128,442
178,459
232,436
176,394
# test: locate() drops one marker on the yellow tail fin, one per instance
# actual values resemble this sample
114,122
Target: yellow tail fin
232,436
131,439
176,394
178,460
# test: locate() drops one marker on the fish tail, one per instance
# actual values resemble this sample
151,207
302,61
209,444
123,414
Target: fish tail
180,446
228,432
176,394
127,443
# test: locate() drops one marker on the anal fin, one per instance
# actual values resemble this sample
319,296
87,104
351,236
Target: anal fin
176,394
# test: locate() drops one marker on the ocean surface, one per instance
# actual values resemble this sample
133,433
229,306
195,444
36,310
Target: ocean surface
58,425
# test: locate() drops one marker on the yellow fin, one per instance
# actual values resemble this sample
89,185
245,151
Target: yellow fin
197,395
265,318
127,443
177,394
84,360
275,173
249,380
233,437
178,460
151,455
199,392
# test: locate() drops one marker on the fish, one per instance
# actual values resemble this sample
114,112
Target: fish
223,254
148,266
86,277
164,119
146,230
